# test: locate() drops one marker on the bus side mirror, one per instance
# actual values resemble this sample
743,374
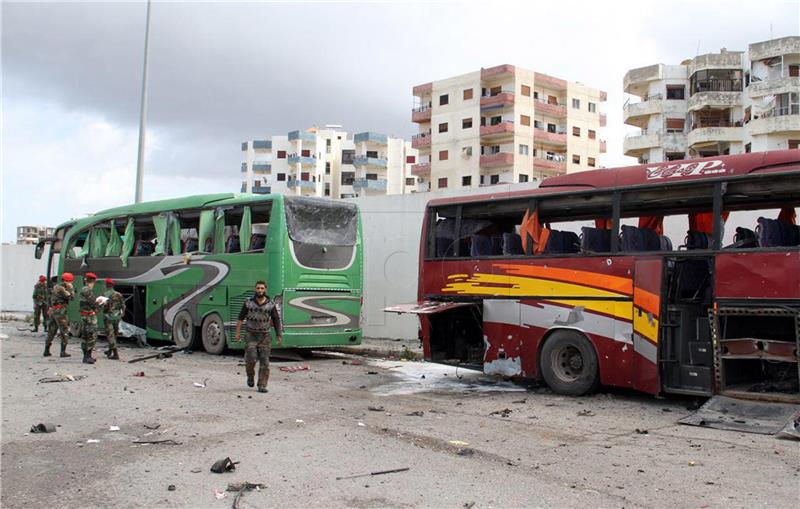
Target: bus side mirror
39,250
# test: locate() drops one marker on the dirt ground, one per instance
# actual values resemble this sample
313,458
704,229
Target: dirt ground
466,441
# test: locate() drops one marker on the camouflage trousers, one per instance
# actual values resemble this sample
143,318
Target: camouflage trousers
112,331
258,348
88,332
58,322
40,315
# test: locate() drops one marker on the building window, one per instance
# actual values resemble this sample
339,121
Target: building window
466,123
576,104
794,70
467,94
444,99
675,125
525,120
347,156
410,181
442,182
592,108
305,153
525,90
281,154
466,181
551,128
411,159
443,155
482,180
793,145
348,177
576,159
590,161
523,150
327,168
592,134
372,153
494,179
537,124
281,177
523,178
576,131
716,80
443,127
466,151
327,145
495,120
676,92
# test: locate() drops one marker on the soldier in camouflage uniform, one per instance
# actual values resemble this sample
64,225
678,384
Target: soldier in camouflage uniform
40,298
89,308
260,313
57,314
113,310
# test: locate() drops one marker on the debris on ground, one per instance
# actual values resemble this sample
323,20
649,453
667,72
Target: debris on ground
294,369
240,488
113,428
465,451
361,424
469,505
196,470
585,413
171,487
202,385
380,472
224,465
354,362
641,431
61,378
375,408
502,413
219,493
519,401
416,413
372,372
164,354
299,421
139,373
792,429
43,427
93,441
458,443
167,441
154,425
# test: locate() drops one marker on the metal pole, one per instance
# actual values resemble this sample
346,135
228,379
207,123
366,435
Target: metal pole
143,112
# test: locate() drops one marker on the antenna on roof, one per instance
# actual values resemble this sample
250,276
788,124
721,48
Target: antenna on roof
770,30
697,51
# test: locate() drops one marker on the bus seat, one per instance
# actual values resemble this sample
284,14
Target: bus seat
497,245
595,240
190,245
635,239
666,243
209,247
776,233
481,245
561,242
258,241
232,244
143,248
745,238
512,244
697,240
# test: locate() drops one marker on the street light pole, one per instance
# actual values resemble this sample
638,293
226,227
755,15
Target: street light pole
143,112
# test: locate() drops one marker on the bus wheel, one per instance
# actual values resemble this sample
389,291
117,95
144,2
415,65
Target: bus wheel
183,330
569,364
213,334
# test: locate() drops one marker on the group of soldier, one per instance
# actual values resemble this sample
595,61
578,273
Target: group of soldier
50,309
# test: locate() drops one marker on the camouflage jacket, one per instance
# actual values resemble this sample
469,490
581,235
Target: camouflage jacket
114,307
62,295
88,302
40,293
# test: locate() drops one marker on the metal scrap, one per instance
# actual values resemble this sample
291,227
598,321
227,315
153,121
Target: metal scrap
61,378
240,488
379,472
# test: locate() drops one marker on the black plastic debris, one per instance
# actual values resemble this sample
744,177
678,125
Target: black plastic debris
223,465
43,427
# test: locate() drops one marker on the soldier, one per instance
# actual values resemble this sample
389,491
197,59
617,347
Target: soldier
40,298
89,308
57,314
260,313
113,311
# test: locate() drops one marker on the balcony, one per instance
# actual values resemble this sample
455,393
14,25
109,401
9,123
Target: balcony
636,143
547,81
259,167
421,140
363,161
775,121
721,99
244,167
773,86
546,108
262,144
727,60
496,160
637,113
603,146
497,102
703,134
302,160
370,137
421,169
369,184
497,72
302,136
302,184
557,138
603,120
421,114
498,130
261,190
557,166
422,90
774,48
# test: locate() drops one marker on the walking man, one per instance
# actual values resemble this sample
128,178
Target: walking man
89,308
40,292
57,314
113,311
260,314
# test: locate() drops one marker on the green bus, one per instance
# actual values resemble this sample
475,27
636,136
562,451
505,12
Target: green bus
185,266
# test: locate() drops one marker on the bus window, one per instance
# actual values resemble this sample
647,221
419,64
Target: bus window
257,232
486,231
98,240
767,228
77,246
442,233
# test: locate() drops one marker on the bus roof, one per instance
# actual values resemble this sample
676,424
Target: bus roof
665,173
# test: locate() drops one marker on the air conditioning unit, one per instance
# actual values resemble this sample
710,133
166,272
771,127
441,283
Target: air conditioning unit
466,152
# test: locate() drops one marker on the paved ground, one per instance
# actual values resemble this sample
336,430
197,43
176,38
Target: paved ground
517,447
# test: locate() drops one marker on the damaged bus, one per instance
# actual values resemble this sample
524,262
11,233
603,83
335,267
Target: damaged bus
676,277
185,266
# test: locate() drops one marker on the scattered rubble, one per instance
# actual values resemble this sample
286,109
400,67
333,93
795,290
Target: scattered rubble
43,427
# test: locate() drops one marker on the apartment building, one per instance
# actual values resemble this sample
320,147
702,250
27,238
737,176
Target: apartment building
718,103
33,234
504,124
329,162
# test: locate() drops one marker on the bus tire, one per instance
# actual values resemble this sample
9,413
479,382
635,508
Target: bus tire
213,334
183,330
568,364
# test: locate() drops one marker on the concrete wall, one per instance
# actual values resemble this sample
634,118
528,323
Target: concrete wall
19,271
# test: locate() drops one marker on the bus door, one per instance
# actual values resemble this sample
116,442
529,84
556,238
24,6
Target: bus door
647,288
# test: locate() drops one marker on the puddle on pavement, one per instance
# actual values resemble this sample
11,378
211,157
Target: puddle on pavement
438,378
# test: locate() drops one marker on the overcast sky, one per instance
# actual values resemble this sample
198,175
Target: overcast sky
221,73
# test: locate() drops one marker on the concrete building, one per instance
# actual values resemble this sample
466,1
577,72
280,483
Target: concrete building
504,124
719,103
32,234
329,162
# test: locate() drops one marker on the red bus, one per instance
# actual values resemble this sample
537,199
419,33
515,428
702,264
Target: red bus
675,277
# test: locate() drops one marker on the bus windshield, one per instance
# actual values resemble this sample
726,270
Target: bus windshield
312,221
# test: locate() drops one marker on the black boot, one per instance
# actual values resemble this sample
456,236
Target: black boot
107,353
47,350
87,357
64,351
250,368
114,355
263,379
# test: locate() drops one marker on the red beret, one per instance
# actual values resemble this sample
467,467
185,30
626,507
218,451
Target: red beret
90,275
67,276
42,279
109,281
